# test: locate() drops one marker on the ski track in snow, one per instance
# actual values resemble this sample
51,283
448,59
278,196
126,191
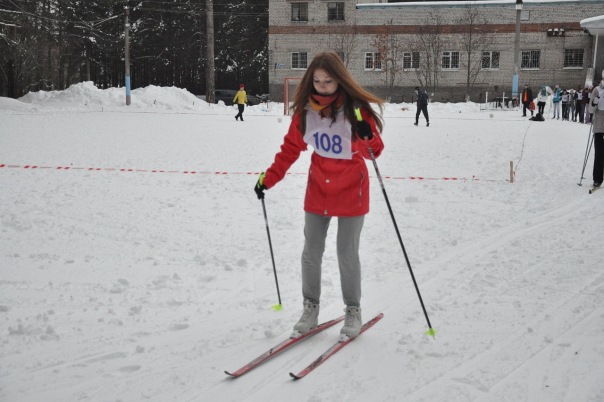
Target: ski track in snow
141,286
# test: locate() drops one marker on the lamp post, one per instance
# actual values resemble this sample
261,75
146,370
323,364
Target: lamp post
517,49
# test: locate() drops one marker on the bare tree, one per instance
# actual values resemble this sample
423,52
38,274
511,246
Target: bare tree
344,43
390,47
430,42
475,38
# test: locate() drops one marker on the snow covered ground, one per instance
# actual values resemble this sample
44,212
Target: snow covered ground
134,261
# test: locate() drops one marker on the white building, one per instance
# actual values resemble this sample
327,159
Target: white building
451,47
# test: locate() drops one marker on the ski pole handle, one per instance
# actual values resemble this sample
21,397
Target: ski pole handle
357,111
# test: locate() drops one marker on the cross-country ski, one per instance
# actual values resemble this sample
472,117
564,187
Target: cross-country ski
336,347
286,344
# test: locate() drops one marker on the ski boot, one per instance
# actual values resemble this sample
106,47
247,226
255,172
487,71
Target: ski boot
308,321
352,323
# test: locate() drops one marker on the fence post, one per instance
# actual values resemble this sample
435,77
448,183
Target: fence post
511,171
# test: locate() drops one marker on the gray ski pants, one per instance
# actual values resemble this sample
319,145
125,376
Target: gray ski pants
348,239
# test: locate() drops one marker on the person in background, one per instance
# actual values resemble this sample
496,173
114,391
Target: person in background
324,107
564,100
527,98
579,105
597,111
571,105
422,105
556,102
541,99
587,99
240,99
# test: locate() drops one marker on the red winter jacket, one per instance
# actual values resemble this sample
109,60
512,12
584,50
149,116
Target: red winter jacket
336,187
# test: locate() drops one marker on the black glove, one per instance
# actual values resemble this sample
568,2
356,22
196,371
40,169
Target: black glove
363,130
259,187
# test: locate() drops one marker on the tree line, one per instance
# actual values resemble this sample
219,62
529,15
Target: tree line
51,44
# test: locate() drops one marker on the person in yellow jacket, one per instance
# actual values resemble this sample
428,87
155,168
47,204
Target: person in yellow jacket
240,99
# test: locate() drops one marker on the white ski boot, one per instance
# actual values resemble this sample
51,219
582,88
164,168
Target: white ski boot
352,323
308,321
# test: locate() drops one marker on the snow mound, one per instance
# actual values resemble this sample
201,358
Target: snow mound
13,105
87,95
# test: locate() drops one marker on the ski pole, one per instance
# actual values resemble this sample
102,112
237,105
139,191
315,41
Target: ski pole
279,306
587,151
431,331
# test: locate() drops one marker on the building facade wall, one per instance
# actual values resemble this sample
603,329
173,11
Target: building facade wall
360,27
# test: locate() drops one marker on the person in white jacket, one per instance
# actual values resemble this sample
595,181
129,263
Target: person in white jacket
596,108
542,99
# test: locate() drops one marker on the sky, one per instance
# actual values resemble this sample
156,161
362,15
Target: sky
135,264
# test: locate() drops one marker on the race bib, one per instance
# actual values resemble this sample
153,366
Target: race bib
330,139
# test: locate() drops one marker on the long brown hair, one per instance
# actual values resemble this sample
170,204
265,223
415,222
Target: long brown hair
355,95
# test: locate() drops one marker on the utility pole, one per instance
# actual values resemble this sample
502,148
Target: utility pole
11,63
127,53
517,50
210,85
88,51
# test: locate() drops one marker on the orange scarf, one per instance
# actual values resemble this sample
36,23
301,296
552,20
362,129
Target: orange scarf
327,105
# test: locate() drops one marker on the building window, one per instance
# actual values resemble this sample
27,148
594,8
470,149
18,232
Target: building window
490,60
530,59
373,61
450,60
300,12
410,60
335,11
299,60
573,58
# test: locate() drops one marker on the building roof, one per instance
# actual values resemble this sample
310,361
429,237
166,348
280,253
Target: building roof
595,25
476,3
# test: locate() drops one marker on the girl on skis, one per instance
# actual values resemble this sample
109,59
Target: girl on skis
338,180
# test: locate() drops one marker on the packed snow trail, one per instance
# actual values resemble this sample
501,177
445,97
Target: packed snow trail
119,285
